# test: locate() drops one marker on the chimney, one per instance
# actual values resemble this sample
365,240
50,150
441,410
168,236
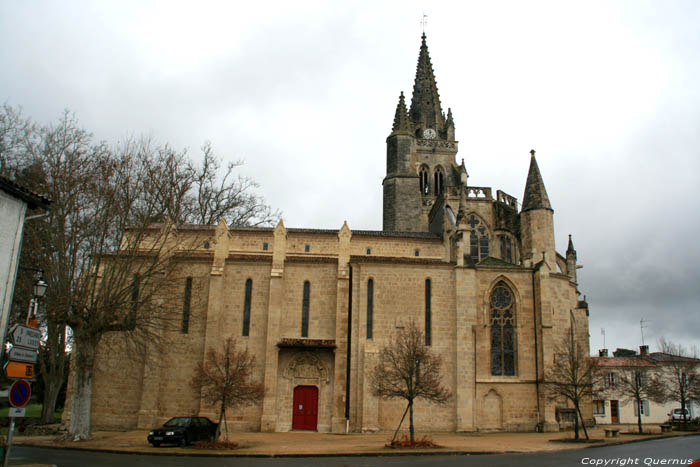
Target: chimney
643,350
603,353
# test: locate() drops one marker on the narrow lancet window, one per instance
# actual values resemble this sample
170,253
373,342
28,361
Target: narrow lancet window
427,312
186,306
438,182
370,307
246,306
424,181
502,321
305,310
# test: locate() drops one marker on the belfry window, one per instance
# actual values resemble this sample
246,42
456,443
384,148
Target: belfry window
370,307
438,176
424,180
502,321
305,310
246,306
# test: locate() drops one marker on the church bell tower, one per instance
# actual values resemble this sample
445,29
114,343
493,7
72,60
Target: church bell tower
420,154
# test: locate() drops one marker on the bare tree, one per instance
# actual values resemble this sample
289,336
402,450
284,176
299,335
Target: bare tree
408,369
573,377
107,265
634,384
225,379
679,379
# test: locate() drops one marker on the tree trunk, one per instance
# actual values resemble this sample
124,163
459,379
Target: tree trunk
51,390
52,360
639,416
221,418
410,419
82,388
576,425
400,423
583,423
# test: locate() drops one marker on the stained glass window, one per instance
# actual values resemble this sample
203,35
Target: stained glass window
246,306
370,307
502,319
305,310
427,312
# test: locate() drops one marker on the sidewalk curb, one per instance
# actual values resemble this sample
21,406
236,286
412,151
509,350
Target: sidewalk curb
343,454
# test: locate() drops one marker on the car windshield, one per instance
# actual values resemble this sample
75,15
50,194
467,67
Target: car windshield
178,421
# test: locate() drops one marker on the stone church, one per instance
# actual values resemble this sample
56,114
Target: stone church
477,270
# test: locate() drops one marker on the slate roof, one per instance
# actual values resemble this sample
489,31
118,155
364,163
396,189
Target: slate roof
535,196
34,200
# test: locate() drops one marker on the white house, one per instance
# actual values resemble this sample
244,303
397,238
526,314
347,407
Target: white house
612,407
14,202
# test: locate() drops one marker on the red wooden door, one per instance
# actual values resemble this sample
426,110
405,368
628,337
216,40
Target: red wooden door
305,410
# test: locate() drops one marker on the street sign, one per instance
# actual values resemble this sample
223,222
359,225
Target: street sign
24,336
18,354
16,412
19,370
19,393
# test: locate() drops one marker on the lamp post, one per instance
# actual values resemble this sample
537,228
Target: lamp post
39,290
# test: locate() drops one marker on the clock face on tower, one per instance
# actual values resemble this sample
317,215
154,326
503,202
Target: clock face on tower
429,133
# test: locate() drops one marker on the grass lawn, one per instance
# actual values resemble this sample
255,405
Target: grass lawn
32,411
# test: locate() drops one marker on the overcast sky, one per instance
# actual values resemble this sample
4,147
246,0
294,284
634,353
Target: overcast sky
607,93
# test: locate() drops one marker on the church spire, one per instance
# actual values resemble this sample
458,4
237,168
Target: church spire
426,111
570,251
402,124
535,196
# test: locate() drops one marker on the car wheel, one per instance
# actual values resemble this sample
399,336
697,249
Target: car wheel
155,445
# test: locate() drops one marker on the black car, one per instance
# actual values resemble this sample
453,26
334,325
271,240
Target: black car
183,431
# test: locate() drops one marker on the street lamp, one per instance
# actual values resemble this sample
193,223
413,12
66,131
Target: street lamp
39,290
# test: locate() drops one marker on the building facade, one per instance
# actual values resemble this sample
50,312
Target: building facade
479,273
613,405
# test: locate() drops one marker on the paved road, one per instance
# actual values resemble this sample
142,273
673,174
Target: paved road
682,450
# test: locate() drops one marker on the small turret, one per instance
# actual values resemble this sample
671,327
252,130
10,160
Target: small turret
571,260
537,222
535,196
450,126
402,123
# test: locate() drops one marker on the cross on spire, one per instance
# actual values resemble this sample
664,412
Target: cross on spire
423,22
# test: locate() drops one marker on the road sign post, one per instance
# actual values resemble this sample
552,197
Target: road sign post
19,370
19,393
25,337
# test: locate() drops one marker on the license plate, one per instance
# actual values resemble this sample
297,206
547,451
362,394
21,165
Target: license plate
158,438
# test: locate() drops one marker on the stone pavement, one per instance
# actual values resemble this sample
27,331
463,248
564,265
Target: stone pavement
327,444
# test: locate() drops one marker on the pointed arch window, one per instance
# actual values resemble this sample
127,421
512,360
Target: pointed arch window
424,180
246,306
502,319
506,244
439,177
478,239
187,301
370,307
428,312
305,310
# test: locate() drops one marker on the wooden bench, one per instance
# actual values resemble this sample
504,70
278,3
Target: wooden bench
666,427
612,433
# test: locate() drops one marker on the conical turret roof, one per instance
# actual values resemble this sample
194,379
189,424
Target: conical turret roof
535,196
426,111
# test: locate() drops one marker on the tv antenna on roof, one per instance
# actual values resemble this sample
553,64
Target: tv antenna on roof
642,326
602,331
